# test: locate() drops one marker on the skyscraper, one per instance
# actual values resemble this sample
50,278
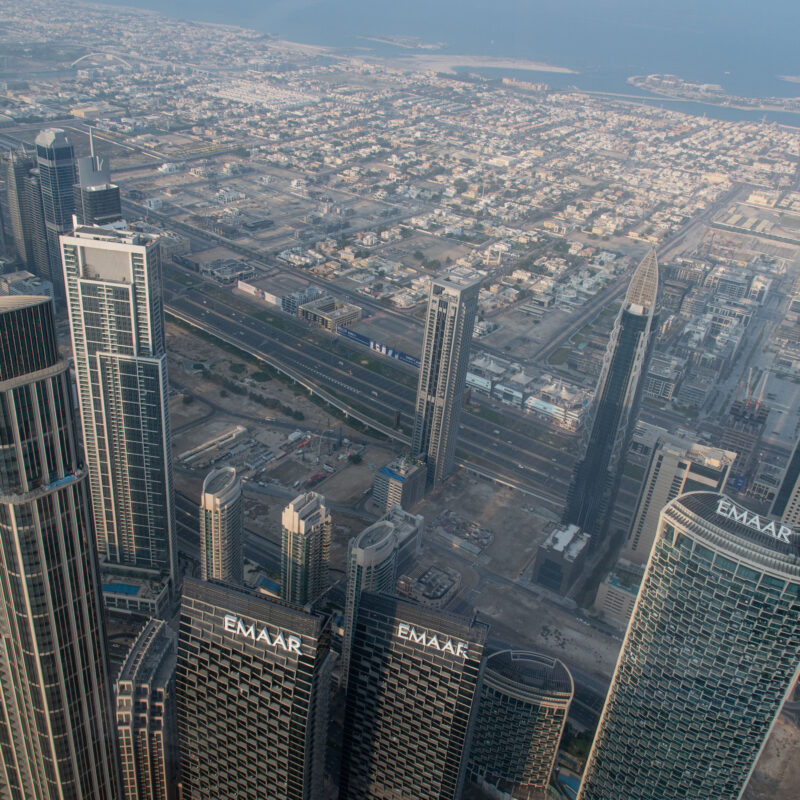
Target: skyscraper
252,688
787,501
97,200
676,466
222,527
710,655
371,567
523,706
452,305
55,157
114,298
56,725
26,230
616,402
410,708
145,692
305,543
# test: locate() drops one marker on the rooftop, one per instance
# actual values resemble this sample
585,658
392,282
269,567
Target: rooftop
531,670
643,290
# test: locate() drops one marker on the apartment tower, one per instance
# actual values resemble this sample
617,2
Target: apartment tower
114,298
305,543
222,527
452,305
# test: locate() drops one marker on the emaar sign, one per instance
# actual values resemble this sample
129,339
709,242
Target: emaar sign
287,642
727,509
431,640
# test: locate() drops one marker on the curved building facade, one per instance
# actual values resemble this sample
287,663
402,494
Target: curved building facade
222,527
371,567
524,701
56,725
711,652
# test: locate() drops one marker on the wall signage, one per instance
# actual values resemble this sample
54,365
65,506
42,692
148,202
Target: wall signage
431,640
727,509
287,642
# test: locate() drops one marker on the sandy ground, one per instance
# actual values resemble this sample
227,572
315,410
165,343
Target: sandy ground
778,770
448,63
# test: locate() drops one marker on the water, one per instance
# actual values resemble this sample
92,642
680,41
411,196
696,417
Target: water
740,44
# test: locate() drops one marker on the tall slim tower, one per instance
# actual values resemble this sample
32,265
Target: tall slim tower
56,160
711,653
25,215
616,402
113,284
452,305
371,567
305,543
56,725
222,527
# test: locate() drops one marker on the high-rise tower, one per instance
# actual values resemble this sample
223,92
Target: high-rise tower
711,653
253,683
221,527
97,200
371,567
55,157
26,228
616,402
305,542
56,725
114,298
410,711
524,700
787,501
452,305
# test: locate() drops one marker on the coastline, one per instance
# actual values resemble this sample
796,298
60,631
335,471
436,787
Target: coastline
449,63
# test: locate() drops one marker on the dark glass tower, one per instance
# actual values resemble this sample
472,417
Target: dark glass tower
26,228
452,306
252,691
616,403
414,675
711,653
56,725
57,175
787,502
97,200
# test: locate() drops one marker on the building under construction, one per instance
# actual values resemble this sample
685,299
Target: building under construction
744,426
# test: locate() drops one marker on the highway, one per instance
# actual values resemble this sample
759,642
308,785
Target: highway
536,466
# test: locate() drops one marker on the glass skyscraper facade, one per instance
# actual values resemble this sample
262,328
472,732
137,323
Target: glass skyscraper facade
450,320
410,709
616,402
114,299
305,545
55,158
56,725
711,653
253,684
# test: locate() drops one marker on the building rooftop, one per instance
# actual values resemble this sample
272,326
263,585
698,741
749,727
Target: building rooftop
531,670
643,290
12,302
219,480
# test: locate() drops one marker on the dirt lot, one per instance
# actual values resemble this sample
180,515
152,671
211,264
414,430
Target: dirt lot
778,770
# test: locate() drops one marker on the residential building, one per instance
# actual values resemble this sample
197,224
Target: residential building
305,544
145,692
252,690
677,466
711,654
410,710
222,527
402,482
409,528
452,305
522,711
114,299
787,501
617,399
56,725
25,214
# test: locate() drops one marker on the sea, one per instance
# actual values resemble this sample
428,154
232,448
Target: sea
741,45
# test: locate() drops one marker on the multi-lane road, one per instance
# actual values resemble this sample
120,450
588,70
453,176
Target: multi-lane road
533,465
